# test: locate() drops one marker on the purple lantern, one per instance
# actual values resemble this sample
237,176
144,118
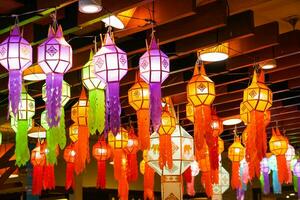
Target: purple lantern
264,168
154,68
111,66
55,58
15,56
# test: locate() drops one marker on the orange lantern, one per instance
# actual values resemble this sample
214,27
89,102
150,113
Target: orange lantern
216,124
236,153
189,111
101,152
138,98
70,157
220,145
278,146
79,114
38,160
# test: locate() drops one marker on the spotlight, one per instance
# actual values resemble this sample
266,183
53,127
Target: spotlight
90,6
113,21
214,54
268,64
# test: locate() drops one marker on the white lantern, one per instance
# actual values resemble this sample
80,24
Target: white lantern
223,185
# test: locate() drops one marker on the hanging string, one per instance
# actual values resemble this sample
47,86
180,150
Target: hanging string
54,19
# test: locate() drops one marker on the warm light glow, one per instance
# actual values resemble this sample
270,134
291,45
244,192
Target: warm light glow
14,176
101,151
72,153
233,121
130,143
269,64
292,194
113,21
89,6
214,54
37,134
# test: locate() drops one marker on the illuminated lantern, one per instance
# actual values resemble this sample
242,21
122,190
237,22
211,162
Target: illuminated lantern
65,93
111,66
15,56
101,152
73,132
216,124
38,160
70,157
289,155
236,153
138,98
154,68
275,182
201,94
34,73
189,110
265,170
131,151
297,174
22,122
278,146
142,167
222,185
55,59
220,145
257,99
79,114
96,88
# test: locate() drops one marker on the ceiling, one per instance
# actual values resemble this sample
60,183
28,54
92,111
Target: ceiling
255,29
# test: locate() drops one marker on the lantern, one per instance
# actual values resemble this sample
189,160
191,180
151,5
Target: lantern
216,124
55,59
138,98
220,145
189,111
148,173
15,56
79,114
257,99
236,153
154,68
265,170
222,185
278,146
96,88
101,152
65,93
201,94
22,122
70,157
275,182
131,151
213,54
38,160
111,66
289,155
142,167
297,174
73,132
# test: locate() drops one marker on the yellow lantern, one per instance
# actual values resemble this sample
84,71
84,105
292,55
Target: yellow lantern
73,132
168,123
142,167
119,141
79,111
189,110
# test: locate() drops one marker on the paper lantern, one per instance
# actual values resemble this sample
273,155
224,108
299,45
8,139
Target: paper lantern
70,157
142,167
236,153
15,56
154,66
189,110
216,124
265,170
275,182
138,98
80,110
73,132
38,160
278,146
213,54
55,59
96,88
111,66
22,122
297,174
222,185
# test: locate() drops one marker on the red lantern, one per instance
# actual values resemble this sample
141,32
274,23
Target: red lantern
38,160
69,157
101,152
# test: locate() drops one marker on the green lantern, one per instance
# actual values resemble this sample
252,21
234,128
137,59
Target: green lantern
21,123
96,88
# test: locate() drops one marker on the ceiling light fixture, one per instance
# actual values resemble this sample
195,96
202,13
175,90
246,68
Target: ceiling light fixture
214,54
34,73
231,121
268,64
37,132
90,6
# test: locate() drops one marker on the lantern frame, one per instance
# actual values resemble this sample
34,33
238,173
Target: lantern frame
139,95
278,145
236,151
73,132
101,151
119,141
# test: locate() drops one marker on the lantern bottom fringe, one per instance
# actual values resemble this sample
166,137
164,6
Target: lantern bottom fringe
282,169
123,185
155,105
49,178
119,155
206,182
101,176
148,183
82,156
266,183
113,90
37,180
70,181
298,182
275,182
235,176
165,151
15,89
96,113
143,119
132,171
290,175
213,145
201,125
22,151
190,189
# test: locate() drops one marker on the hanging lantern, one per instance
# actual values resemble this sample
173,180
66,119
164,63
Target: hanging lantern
265,170
236,153
214,54
131,151
154,68
55,59
138,98
189,110
15,56
278,146
70,157
220,145
38,160
111,66
101,152
290,155
257,100
96,88
21,123
297,174
275,181
222,185
216,124
73,132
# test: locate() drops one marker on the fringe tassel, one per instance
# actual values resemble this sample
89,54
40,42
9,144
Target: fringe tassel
70,181
113,90
206,182
201,125
155,105
37,180
101,177
165,151
266,183
96,113
148,183
83,155
275,183
213,144
132,171
49,178
190,189
143,119
119,157
123,184
22,151
15,90
235,176
282,169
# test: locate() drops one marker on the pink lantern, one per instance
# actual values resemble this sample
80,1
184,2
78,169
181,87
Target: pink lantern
154,68
55,58
111,66
15,56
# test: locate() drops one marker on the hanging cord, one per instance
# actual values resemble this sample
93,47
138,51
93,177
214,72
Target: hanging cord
54,19
95,44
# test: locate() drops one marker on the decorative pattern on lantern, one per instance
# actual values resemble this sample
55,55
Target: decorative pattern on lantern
21,123
189,111
55,59
111,66
73,132
70,157
15,56
138,98
96,88
236,153
154,66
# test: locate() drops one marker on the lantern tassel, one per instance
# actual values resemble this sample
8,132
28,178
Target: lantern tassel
70,181
289,172
123,185
49,177
261,135
190,188
295,183
37,180
96,113
298,182
53,92
275,182
82,149
114,106
22,151
215,176
143,119
187,175
15,89
165,151
148,183
235,176
101,178
201,125
213,144
155,105
119,155
132,172
266,183
61,134
51,145
282,169
240,194
206,182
